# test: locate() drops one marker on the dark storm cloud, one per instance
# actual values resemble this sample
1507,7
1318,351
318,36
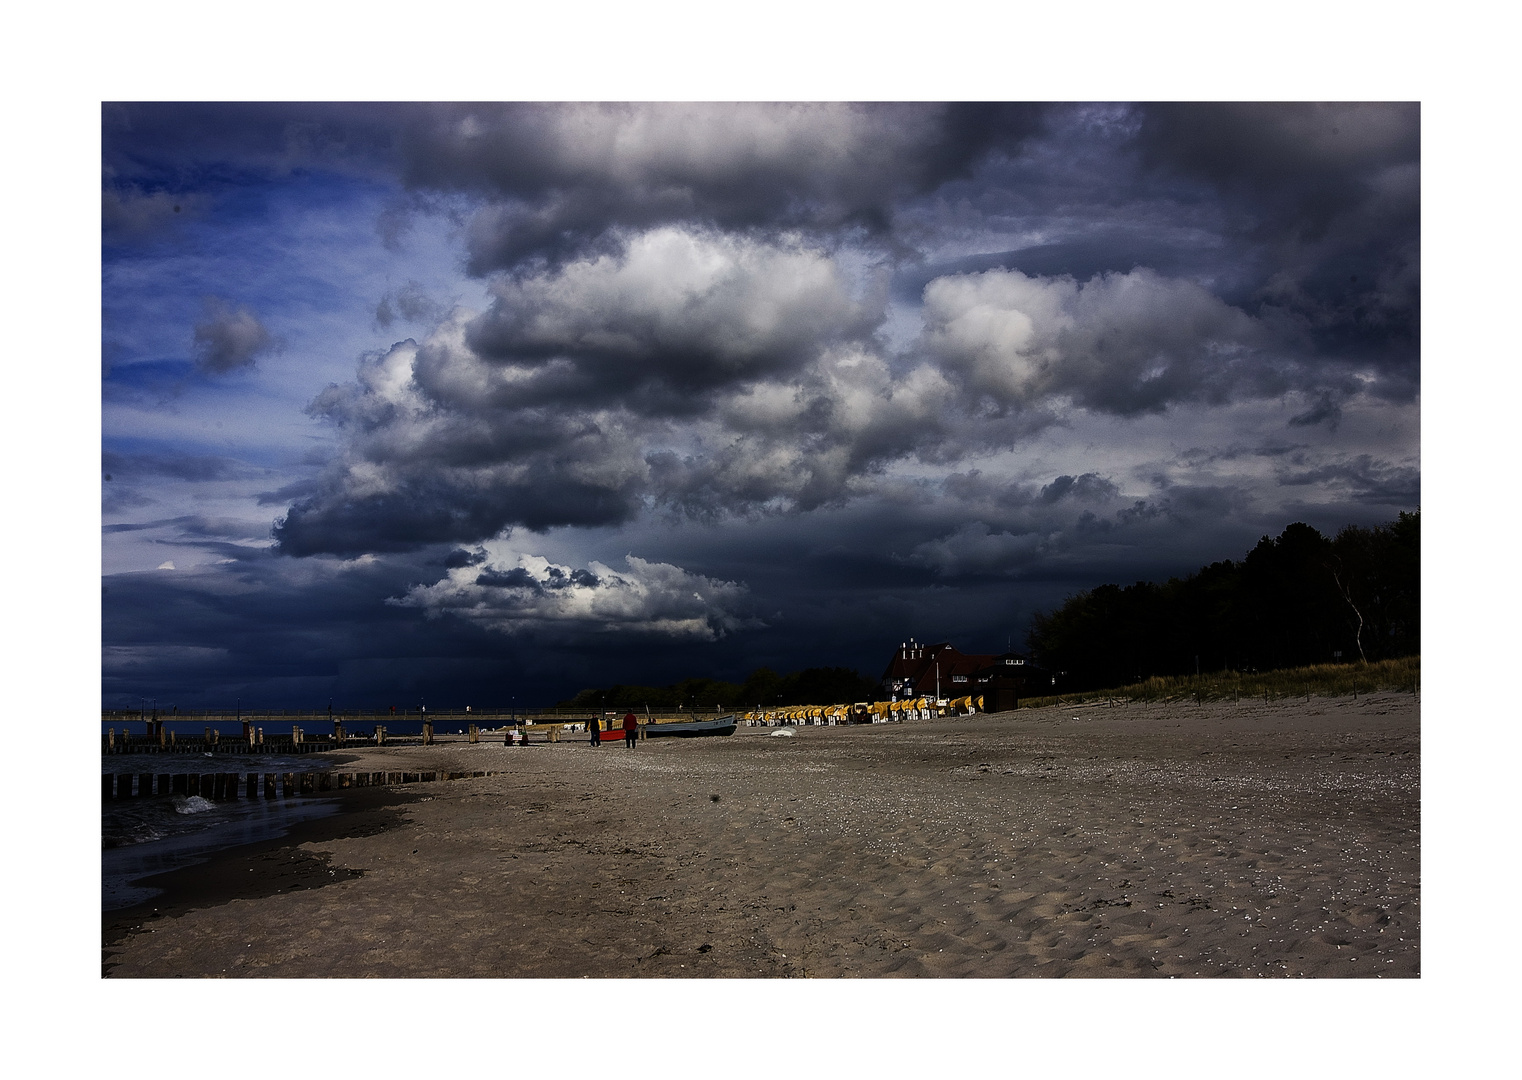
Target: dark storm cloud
1118,343
451,508
1328,196
557,178
1088,487
516,578
648,359
678,310
1300,164
1327,410
706,372
1363,478
550,180
229,337
460,557
209,631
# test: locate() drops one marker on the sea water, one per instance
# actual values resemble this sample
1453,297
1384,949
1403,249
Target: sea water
152,834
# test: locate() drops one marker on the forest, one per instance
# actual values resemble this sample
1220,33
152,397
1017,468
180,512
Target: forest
1298,599
1294,600
763,687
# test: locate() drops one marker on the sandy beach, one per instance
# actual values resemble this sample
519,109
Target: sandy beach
1250,839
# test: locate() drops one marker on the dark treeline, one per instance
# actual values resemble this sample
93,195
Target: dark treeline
764,687
1296,600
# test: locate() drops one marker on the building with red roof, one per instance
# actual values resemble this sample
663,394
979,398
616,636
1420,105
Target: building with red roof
942,671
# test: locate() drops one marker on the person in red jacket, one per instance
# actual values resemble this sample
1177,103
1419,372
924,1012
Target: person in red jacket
631,729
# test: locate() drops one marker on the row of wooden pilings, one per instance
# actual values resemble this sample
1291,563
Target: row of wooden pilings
252,739
221,786
299,742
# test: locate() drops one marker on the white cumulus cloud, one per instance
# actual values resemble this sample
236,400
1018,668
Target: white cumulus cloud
511,591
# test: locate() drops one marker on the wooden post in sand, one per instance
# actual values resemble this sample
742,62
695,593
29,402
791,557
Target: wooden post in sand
111,738
427,732
475,734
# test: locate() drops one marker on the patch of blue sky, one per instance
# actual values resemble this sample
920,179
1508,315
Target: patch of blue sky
305,256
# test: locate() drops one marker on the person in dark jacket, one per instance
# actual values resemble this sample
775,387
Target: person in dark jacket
631,729
594,725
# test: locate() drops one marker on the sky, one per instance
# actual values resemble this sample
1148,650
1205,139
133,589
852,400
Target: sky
482,404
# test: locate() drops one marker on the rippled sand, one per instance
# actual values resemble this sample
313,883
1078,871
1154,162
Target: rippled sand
1238,840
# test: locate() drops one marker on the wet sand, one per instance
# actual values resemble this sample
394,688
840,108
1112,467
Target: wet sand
1242,839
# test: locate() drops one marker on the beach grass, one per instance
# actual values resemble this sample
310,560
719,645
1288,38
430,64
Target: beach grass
1403,675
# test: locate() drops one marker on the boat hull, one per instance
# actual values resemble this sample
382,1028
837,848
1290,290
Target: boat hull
723,725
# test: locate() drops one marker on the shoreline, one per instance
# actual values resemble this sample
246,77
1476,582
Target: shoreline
249,872
1242,839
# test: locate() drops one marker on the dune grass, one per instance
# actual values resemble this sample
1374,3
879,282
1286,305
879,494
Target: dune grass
1320,680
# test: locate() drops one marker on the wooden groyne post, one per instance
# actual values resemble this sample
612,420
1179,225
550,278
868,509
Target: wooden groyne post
231,786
